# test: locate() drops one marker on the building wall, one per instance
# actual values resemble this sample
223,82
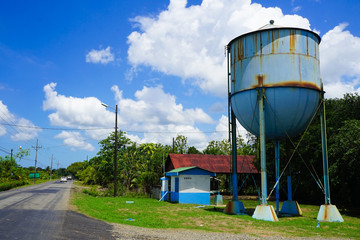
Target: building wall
193,189
194,183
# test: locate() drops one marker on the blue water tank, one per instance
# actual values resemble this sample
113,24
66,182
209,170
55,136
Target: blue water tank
285,62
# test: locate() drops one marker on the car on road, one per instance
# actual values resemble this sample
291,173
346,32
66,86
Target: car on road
63,179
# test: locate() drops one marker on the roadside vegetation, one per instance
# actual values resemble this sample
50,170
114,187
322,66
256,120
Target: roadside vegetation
140,166
149,213
13,175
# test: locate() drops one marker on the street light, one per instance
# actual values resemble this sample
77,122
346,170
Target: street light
115,155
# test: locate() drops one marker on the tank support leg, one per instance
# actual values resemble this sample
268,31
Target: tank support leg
290,207
235,206
277,173
263,211
327,212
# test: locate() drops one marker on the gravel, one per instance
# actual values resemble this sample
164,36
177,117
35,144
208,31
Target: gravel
128,232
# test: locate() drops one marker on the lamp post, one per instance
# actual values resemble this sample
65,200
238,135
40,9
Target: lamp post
115,153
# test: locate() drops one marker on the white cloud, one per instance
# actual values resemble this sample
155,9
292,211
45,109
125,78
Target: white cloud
25,134
159,115
75,140
103,56
152,116
75,112
189,41
296,9
218,107
17,131
340,62
222,130
80,113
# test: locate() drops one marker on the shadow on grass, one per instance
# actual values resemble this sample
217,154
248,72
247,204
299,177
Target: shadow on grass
249,211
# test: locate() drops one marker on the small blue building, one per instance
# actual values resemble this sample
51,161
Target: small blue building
190,185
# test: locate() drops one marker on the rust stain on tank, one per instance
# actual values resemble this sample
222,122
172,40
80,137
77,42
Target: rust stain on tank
261,44
241,50
315,49
307,45
292,40
254,39
261,78
244,47
276,39
271,39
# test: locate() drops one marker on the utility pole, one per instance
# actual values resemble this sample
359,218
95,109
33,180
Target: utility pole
116,148
36,148
52,158
57,166
115,157
11,161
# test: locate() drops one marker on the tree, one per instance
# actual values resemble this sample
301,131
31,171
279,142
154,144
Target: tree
218,147
343,116
345,155
76,167
193,150
180,144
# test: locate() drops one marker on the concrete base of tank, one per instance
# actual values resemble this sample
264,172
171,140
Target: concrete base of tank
235,208
291,207
265,212
329,213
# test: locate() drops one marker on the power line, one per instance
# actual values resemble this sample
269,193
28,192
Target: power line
94,129
56,129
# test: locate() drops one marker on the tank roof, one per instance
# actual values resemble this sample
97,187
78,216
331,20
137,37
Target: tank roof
270,26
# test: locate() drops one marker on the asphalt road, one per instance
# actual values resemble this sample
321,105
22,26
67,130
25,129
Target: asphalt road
41,212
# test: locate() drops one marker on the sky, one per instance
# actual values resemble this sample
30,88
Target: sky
162,63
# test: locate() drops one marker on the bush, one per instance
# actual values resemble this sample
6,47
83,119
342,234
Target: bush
92,191
13,184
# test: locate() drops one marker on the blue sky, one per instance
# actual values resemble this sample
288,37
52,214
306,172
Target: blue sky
162,62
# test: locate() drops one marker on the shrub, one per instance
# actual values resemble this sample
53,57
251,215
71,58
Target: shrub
13,184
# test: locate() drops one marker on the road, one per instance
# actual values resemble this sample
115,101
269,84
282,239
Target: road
41,212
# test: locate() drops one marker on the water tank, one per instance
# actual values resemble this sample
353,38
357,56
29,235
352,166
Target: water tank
285,62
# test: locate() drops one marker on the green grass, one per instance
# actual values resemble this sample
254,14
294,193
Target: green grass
150,213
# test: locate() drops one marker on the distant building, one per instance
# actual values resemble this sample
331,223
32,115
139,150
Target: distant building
219,164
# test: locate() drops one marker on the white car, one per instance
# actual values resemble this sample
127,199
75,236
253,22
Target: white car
63,179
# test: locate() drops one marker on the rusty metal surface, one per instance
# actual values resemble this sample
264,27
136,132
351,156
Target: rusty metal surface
275,57
281,60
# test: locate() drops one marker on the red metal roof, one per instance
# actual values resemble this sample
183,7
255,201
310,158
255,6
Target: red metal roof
213,163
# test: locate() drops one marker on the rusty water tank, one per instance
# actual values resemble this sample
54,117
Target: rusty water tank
284,61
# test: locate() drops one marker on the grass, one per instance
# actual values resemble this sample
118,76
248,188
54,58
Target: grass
150,213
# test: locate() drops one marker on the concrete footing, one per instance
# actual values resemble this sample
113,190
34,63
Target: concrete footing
329,213
265,212
291,207
235,208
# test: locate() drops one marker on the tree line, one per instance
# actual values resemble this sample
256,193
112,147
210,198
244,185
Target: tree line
12,174
343,141
140,165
